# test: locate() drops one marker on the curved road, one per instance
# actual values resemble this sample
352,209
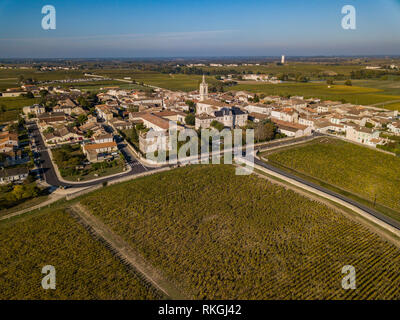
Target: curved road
376,214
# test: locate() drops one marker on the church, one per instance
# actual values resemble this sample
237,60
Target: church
208,110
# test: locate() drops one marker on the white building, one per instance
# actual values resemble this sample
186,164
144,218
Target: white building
361,134
203,90
259,108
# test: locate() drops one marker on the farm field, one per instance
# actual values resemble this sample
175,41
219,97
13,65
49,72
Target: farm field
13,107
221,236
352,94
312,70
353,168
9,77
84,268
180,82
390,87
392,106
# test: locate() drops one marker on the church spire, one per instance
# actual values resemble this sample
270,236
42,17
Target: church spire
203,89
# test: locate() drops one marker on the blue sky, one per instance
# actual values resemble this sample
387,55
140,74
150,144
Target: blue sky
167,28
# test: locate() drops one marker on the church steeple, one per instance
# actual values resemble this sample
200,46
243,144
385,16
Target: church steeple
203,89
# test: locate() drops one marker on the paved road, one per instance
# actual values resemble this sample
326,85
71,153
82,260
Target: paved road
281,143
368,210
49,175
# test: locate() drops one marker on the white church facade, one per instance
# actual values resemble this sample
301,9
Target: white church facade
208,110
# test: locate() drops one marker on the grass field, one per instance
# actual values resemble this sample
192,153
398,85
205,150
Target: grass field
14,107
312,70
352,94
85,269
392,106
354,168
221,236
180,82
9,77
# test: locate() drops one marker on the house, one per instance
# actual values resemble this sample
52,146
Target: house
99,151
291,129
90,126
209,106
62,109
52,117
104,112
394,127
103,137
13,175
13,92
259,108
285,114
257,117
12,158
62,135
322,125
155,122
307,121
121,124
361,134
175,116
230,117
244,96
36,109
8,141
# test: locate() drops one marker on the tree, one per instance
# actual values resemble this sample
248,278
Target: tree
264,131
43,93
217,125
82,119
191,104
2,108
329,81
89,134
190,119
49,130
348,82
29,95
134,135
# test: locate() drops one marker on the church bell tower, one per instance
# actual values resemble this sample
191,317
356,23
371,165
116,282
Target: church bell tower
203,90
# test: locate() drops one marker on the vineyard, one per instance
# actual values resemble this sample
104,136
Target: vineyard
221,236
85,269
354,168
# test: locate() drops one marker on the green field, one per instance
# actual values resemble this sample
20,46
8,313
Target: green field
9,77
352,94
216,235
14,107
312,70
356,169
177,82
85,269
389,87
